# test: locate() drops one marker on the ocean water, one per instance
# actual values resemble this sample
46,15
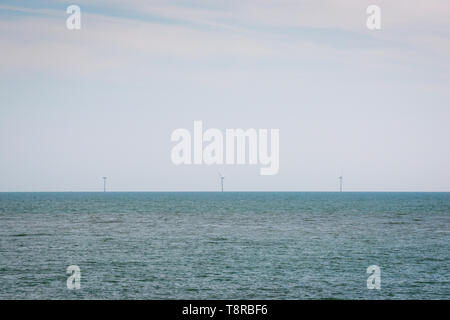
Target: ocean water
224,245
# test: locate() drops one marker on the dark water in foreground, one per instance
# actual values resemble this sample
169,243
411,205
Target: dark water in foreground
225,245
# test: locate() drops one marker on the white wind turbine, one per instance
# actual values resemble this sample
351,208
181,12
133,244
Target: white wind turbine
340,183
221,180
104,183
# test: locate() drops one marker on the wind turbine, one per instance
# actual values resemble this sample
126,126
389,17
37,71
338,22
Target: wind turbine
340,183
104,184
221,180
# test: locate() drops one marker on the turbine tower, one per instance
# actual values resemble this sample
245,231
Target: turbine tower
340,183
221,180
104,184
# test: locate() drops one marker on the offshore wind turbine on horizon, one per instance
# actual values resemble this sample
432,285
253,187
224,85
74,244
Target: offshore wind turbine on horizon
221,180
104,183
340,183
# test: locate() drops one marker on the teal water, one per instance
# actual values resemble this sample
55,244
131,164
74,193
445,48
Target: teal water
224,245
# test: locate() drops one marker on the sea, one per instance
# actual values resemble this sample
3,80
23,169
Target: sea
230,245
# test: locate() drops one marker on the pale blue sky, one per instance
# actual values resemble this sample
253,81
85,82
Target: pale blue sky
103,101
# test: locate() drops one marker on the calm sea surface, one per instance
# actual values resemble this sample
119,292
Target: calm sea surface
225,245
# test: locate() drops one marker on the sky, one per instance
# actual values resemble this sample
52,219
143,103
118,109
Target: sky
371,105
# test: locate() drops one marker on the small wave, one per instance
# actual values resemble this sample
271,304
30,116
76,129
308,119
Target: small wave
396,222
30,234
217,239
108,221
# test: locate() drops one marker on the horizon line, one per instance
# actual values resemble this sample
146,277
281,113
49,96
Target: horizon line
231,191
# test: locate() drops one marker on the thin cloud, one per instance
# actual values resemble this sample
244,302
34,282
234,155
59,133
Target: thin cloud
227,31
